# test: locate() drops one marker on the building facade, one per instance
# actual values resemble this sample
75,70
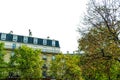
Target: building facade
49,47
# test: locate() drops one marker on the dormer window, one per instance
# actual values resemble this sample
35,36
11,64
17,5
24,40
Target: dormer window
25,40
15,38
3,36
35,41
53,43
44,42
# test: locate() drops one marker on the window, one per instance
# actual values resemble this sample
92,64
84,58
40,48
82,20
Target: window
53,57
35,41
13,46
44,49
15,38
3,36
44,57
44,74
44,42
53,43
25,40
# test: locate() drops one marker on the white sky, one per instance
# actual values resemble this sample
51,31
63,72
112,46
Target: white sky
58,19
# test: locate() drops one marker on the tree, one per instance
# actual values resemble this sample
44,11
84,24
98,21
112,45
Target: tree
27,62
65,66
3,64
100,60
104,13
100,43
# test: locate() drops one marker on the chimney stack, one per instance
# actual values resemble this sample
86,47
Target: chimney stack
30,33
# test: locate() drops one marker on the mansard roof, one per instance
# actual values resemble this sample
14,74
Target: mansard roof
29,40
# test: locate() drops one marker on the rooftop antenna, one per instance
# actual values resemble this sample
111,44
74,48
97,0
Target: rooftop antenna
30,33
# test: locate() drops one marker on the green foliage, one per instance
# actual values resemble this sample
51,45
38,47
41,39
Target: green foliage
101,43
27,62
65,66
100,61
3,64
2,52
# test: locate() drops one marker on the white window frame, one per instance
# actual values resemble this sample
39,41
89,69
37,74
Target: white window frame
35,41
53,43
25,39
15,38
3,36
44,42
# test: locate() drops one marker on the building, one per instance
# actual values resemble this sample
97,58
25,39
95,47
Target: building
49,47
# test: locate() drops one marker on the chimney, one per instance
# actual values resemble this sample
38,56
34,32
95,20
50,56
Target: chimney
11,32
30,33
48,37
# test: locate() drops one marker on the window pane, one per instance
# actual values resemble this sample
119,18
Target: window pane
53,57
53,43
25,39
13,46
3,36
35,40
15,38
44,42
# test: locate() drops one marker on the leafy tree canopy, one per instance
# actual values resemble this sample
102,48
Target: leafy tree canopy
28,62
3,64
100,60
66,66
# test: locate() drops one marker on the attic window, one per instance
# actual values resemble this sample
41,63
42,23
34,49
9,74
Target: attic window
53,43
25,40
35,40
3,36
15,38
44,42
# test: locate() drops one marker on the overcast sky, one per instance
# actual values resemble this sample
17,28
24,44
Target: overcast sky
57,19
